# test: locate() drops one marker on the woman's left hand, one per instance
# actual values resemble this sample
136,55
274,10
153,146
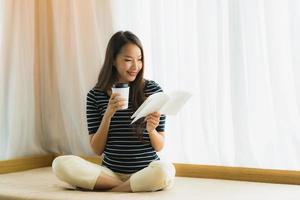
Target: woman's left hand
152,121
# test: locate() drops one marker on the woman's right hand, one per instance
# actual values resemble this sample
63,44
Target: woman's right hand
115,103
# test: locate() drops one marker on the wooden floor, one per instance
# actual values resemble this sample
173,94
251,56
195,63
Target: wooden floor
42,184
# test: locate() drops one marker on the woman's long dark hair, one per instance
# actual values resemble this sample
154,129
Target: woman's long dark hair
109,75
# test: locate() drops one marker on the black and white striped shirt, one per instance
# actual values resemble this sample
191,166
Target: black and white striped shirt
124,151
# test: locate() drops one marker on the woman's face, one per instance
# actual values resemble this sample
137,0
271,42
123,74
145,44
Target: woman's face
128,63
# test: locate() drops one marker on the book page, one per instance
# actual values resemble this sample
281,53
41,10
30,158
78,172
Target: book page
176,102
163,103
152,104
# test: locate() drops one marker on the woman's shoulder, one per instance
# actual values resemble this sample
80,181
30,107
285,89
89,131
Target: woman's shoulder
152,87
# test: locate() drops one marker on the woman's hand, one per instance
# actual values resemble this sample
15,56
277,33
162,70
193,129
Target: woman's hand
152,121
115,103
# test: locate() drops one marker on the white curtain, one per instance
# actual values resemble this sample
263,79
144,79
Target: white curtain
51,53
239,58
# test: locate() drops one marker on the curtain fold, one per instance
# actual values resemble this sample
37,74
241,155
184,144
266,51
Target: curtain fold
19,108
51,52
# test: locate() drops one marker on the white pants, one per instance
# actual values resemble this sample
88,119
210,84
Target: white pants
79,172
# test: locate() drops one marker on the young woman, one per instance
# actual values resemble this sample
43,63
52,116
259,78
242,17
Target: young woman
130,162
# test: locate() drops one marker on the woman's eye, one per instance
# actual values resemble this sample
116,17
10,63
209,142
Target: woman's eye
127,60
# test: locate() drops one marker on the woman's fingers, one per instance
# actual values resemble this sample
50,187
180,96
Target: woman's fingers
113,95
153,121
120,104
116,102
155,115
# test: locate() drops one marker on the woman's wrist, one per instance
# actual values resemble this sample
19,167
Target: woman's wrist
152,131
108,115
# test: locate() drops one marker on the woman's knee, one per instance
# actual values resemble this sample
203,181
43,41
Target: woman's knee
76,171
61,164
164,171
158,175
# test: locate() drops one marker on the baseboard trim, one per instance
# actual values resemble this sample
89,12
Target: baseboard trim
238,173
26,163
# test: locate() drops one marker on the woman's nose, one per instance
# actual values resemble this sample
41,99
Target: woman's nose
135,65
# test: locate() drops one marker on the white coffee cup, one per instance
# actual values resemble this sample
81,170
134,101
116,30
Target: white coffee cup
123,90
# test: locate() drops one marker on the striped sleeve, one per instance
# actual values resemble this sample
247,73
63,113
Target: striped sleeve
152,88
162,123
93,114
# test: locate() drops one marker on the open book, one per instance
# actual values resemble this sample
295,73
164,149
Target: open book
163,103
